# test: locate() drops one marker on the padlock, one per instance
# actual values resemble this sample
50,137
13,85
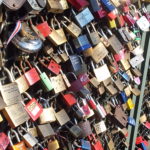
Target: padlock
138,50
37,31
31,75
74,61
115,44
34,7
93,34
84,78
28,138
119,85
123,97
52,65
112,23
130,104
63,55
77,111
73,29
95,144
48,115
81,43
66,81
10,91
124,75
143,23
53,144
31,128
111,89
58,83
74,129
76,84
137,60
44,28
85,145
64,4
19,145
21,80
100,127
98,10
135,91
108,5
69,99
129,19
125,64
79,4
120,21
57,27
131,121
56,57
84,17
100,111
116,3
33,108
99,52
13,5
102,72
54,6
120,117
4,141
62,117
88,52
45,130
46,83
86,128
27,41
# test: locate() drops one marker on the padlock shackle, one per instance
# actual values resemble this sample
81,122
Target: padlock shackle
27,62
66,50
55,22
45,58
68,20
16,135
46,105
37,68
9,74
28,95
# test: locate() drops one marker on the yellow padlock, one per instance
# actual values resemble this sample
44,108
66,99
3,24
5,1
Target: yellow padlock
53,145
112,23
130,104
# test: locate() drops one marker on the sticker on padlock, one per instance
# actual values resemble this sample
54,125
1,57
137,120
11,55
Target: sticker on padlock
33,108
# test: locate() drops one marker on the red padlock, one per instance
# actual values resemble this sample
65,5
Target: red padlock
147,124
84,78
120,55
139,140
4,141
95,144
33,108
79,4
44,28
52,66
101,13
129,19
69,99
31,75
112,15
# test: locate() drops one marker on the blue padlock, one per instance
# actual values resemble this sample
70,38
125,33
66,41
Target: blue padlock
82,43
84,17
123,97
85,145
107,5
131,121
95,5
124,75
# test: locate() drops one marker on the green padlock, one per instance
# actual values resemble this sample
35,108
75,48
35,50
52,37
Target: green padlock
47,85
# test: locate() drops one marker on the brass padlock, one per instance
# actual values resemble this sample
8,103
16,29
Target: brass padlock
48,114
21,80
53,144
57,26
10,92
73,29
45,130
62,117
31,128
15,114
